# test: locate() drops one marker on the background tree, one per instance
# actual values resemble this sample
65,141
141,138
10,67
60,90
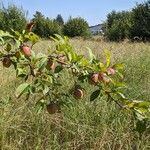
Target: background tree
44,27
39,20
118,25
141,21
76,27
59,19
52,27
12,18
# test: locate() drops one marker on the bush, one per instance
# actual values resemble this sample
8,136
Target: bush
118,25
76,27
44,27
12,18
51,28
129,24
141,21
59,19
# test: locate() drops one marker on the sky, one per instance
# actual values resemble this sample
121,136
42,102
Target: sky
94,11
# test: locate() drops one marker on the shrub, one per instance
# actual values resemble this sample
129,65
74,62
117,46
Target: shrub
51,28
59,19
76,27
12,18
44,27
118,25
141,21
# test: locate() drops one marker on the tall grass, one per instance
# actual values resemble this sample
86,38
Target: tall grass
82,125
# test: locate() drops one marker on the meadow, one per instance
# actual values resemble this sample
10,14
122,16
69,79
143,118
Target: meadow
83,126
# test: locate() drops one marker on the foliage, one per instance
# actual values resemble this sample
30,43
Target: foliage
76,27
41,75
44,27
118,25
59,19
12,18
141,21
129,24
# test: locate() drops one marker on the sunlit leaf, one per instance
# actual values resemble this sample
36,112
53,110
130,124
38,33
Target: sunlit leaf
21,89
91,55
107,55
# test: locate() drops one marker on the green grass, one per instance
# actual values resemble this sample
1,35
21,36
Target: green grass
83,125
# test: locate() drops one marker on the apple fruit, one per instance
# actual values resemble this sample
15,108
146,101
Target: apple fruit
26,50
7,62
53,108
78,93
50,64
111,71
94,78
103,77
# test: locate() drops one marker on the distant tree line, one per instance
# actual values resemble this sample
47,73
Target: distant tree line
12,18
15,18
134,24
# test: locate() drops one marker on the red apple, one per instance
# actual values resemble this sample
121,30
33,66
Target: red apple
26,50
94,78
103,77
78,93
50,64
7,62
111,71
53,108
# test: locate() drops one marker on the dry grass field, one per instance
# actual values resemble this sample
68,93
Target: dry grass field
84,126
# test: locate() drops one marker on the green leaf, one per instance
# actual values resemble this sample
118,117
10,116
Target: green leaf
58,69
23,88
91,55
82,78
21,72
69,56
140,126
119,85
42,63
102,67
5,34
33,37
1,41
119,66
107,55
40,106
1,54
46,89
95,95
121,95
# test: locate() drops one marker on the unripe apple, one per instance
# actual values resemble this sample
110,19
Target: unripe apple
94,78
53,108
103,77
50,64
26,50
78,93
111,71
7,62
